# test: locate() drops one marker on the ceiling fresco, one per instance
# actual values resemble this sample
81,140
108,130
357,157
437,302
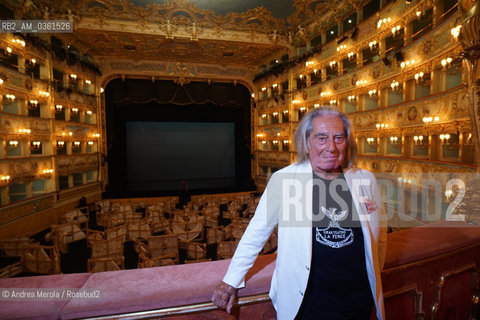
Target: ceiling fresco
278,8
227,32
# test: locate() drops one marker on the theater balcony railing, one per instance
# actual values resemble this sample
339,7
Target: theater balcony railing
431,272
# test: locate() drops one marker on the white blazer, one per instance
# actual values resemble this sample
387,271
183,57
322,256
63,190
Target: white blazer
287,203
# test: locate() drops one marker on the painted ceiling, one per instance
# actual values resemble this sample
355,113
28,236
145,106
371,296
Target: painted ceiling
278,8
228,32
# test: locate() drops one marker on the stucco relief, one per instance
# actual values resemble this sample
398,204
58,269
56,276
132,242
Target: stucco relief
76,164
176,69
412,167
23,168
40,127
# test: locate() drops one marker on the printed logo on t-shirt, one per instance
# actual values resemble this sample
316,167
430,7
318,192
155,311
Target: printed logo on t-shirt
334,235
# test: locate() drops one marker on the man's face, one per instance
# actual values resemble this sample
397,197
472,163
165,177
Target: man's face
327,144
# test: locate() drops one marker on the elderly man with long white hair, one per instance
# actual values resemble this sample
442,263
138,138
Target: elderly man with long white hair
331,230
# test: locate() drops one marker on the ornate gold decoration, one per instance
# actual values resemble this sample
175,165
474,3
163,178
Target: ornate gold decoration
443,280
470,39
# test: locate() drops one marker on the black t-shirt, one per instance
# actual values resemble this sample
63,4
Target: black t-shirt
338,286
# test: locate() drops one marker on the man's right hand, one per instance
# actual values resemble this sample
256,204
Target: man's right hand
224,296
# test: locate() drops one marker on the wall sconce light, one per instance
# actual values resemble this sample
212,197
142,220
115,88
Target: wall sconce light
444,138
74,110
4,180
421,141
259,135
9,98
264,116
383,22
58,108
333,64
396,32
301,76
351,98
419,77
32,104
286,141
9,51
275,141
60,144
76,144
395,85
450,144
407,63
274,86
372,142
253,95
285,111
381,125
44,93
264,142
315,71
420,14
101,90
1,81
395,141
405,180
361,83
88,82
352,56
275,114
73,77
90,143
13,144
24,131
30,63
372,93
316,105
428,120
468,140
302,109
70,133
89,112
96,135
333,102
341,47
295,101
446,62
264,89
47,171
456,31
18,41
309,63
448,194
374,46
36,145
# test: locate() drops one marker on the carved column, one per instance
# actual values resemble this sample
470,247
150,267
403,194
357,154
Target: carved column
470,41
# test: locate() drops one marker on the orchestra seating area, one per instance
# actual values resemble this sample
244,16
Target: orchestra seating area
431,272
156,231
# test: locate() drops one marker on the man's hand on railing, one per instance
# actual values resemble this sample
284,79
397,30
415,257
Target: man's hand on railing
224,296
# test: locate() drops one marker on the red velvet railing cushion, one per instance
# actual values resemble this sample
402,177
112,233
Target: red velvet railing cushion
38,309
427,241
154,288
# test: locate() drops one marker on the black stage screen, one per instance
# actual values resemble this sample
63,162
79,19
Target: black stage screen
161,154
160,132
